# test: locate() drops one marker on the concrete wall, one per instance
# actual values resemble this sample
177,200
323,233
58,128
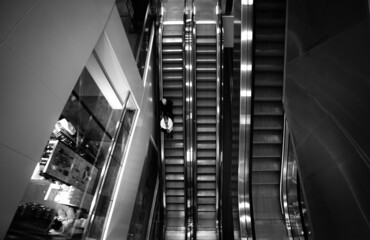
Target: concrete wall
44,46
327,104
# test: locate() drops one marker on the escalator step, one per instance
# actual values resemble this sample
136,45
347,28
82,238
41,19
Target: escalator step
210,129
174,177
268,34
209,103
265,177
206,178
175,192
207,86
206,154
172,85
211,145
206,162
176,207
266,190
206,208
269,64
174,144
268,108
174,169
206,94
173,153
266,150
267,122
206,201
175,235
273,49
206,193
206,41
206,136
206,120
177,93
172,50
267,136
206,185
206,60
173,185
171,40
268,93
268,79
171,60
206,170
174,161
266,164
172,69
175,200
206,111
207,51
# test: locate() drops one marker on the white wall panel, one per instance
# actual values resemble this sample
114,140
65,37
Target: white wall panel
11,14
56,38
29,108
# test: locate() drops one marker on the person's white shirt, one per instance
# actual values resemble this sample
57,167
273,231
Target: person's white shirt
167,125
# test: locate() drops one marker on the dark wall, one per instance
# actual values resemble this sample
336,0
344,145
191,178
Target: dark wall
327,101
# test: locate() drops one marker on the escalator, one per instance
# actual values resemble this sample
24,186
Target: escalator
267,120
206,131
172,75
191,155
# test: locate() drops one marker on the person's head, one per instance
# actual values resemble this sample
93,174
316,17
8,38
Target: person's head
164,101
56,224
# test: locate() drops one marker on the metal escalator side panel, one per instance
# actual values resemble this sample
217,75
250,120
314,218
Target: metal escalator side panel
245,124
188,77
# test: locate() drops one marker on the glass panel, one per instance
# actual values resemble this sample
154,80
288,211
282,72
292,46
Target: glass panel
114,165
58,200
144,197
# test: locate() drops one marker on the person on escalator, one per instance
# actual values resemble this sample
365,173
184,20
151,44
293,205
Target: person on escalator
165,106
166,122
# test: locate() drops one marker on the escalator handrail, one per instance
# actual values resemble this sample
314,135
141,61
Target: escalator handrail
188,119
160,73
245,127
284,177
218,113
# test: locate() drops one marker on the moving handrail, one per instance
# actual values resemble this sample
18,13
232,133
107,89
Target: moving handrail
189,118
160,73
218,114
245,130
284,177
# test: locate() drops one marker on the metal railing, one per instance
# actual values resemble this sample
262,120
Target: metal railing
218,115
246,55
160,86
189,118
290,196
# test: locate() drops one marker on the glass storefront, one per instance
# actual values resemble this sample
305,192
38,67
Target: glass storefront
73,183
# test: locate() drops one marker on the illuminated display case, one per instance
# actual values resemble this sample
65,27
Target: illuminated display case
67,166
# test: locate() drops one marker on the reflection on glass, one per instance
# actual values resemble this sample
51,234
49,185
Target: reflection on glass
296,206
58,201
113,167
144,197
